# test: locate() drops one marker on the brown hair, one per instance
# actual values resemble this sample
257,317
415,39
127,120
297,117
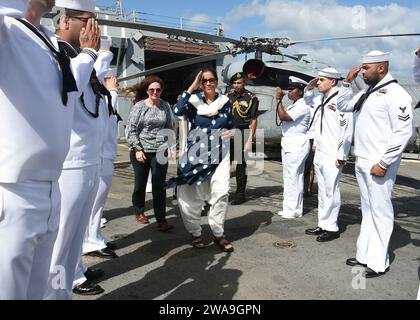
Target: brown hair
140,89
212,70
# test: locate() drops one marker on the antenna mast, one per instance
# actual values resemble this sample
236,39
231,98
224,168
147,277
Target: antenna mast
119,8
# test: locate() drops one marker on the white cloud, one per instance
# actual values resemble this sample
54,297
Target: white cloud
201,22
301,20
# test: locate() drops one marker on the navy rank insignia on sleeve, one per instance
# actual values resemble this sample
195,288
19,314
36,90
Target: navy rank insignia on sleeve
403,116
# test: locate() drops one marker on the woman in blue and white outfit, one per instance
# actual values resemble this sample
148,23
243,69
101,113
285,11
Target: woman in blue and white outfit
204,169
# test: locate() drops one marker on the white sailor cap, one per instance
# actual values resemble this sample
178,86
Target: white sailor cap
375,56
80,5
295,82
330,73
111,72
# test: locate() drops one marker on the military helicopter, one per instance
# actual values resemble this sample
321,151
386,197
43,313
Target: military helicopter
176,55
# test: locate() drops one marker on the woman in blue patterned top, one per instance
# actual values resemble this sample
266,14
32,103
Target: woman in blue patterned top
204,169
145,137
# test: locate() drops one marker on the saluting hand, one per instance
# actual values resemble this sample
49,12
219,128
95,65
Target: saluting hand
312,83
377,171
90,37
196,84
353,74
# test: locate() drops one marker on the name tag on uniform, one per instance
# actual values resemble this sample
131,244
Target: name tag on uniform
332,107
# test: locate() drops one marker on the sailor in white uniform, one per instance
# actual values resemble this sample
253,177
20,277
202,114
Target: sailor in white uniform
95,243
79,179
295,146
383,117
35,135
333,135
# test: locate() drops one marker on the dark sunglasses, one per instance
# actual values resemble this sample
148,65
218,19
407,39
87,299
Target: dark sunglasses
158,90
212,80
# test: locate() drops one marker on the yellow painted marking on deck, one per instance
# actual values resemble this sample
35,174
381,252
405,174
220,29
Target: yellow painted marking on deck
410,161
116,196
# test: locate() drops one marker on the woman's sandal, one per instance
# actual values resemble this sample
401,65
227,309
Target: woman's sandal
198,243
223,244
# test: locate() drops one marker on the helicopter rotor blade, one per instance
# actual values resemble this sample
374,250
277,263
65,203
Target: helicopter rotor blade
357,37
165,30
175,65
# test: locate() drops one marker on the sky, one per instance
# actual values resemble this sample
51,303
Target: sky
303,19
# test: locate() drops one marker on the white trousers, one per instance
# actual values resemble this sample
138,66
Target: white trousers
377,214
215,192
293,170
78,188
329,198
29,218
94,240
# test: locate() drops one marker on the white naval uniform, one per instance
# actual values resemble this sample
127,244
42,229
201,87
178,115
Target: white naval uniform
295,149
78,182
34,140
416,69
215,191
332,144
93,239
383,128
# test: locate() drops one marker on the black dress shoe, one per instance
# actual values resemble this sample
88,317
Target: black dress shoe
328,236
106,253
239,199
88,288
314,231
93,273
353,262
369,273
111,245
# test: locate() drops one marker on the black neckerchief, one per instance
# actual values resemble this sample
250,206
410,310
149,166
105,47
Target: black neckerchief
97,87
321,106
68,81
359,104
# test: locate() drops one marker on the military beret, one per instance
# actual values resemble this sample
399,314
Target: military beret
237,76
